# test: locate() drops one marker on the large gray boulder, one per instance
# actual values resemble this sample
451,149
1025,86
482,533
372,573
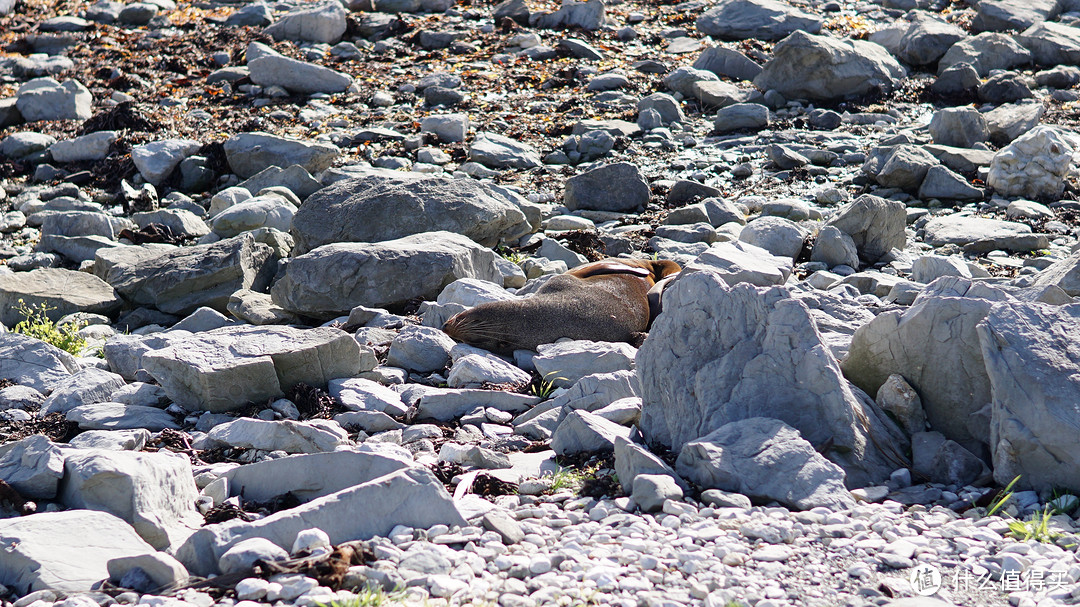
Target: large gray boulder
765,459
1006,15
961,229
179,281
985,52
321,23
412,497
224,369
739,261
1064,274
315,436
61,291
1032,358
1052,43
249,153
154,492
616,187
385,207
1033,166
875,224
760,19
804,66
921,41
720,354
309,476
64,551
33,466
934,346
335,278
28,361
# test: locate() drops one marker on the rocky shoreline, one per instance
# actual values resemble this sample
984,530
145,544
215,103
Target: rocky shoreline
232,232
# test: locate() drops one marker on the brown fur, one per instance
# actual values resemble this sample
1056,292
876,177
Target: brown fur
602,301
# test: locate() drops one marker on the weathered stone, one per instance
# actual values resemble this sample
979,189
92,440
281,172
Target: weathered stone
181,280
760,19
584,432
33,466
1032,166
85,387
61,291
946,370
387,207
764,459
249,153
986,52
381,274
154,492
1032,358
821,67
758,366
323,23
962,229
31,362
1064,274
309,476
315,436
737,262
411,497
64,551
224,369
614,187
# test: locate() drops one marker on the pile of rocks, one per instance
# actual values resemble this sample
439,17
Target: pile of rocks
259,235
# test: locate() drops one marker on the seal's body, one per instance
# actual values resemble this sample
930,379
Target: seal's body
603,301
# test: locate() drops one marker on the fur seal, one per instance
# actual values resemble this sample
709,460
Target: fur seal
608,300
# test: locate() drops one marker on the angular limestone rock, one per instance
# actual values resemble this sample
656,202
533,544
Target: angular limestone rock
181,280
765,459
61,291
934,346
720,354
1032,357
154,492
411,497
310,476
223,369
66,551
386,207
335,278
31,362
315,436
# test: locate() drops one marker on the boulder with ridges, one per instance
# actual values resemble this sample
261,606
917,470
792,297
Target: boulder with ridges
820,67
720,354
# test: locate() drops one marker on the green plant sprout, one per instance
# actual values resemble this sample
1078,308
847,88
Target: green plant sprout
37,324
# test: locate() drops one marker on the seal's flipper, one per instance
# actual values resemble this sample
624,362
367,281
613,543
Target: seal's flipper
656,297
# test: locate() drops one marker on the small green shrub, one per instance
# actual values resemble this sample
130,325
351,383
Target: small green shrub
544,387
36,323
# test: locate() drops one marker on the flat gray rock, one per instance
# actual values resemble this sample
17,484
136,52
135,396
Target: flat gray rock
315,436
223,369
249,153
179,281
985,52
380,274
499,152
726,62
386,207
31,362
1006,15
760,19
47,99
699,370
614,187
118,416
64,551
86,387
764,459
584,432
961,230
297,76
412,497
1064,274
309,476
61,291
1052,43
